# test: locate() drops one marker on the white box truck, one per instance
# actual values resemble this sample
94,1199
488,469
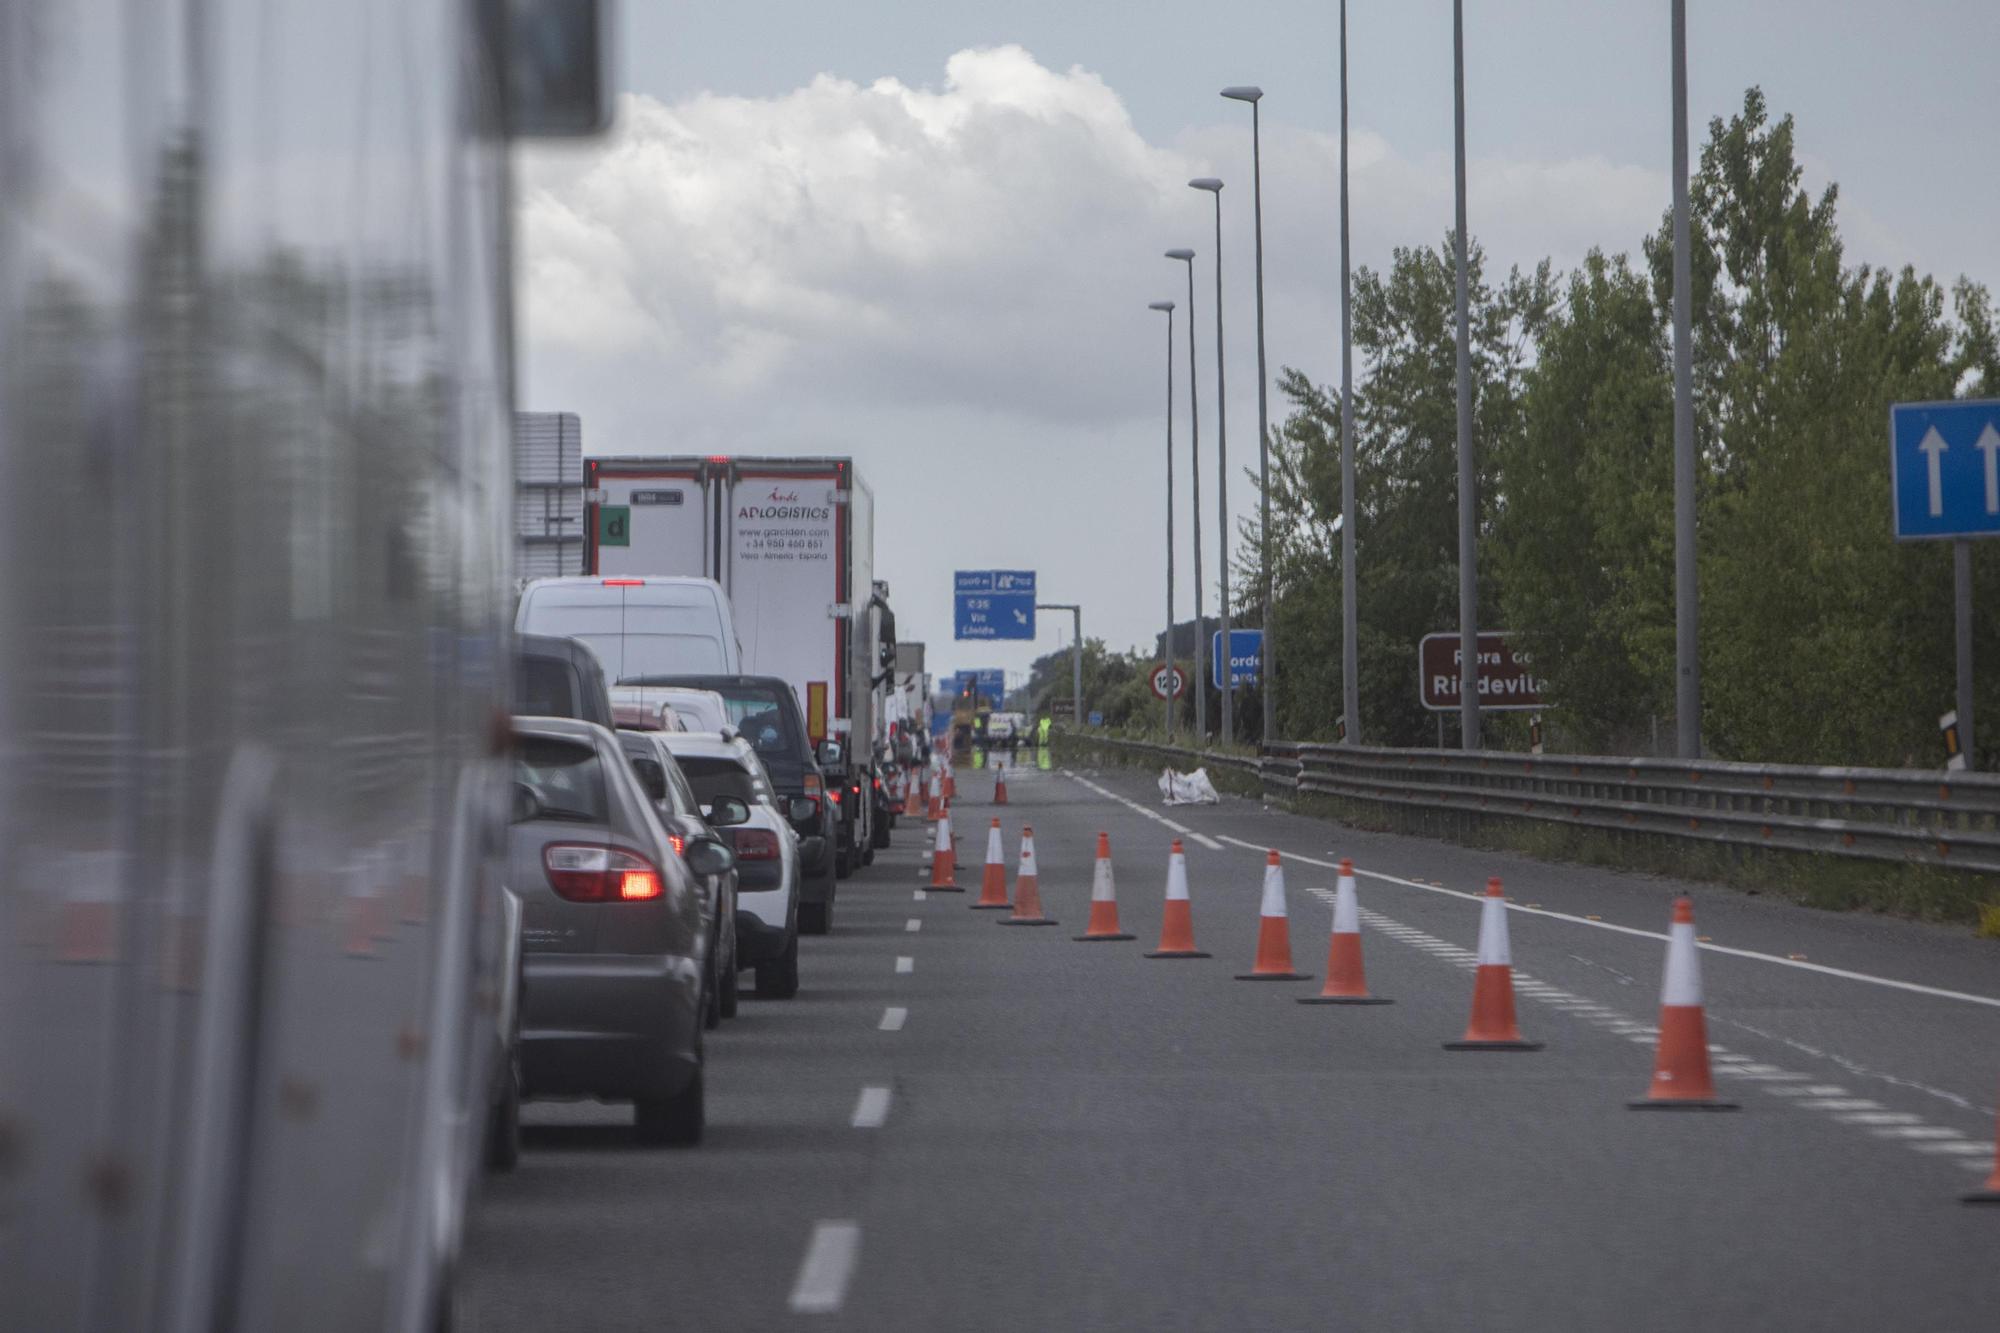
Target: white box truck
792,541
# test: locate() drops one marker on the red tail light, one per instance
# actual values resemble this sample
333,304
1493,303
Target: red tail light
756,844
587,874
680,844
878,784
834,796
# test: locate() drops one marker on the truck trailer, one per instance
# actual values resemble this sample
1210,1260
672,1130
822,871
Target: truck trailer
792,542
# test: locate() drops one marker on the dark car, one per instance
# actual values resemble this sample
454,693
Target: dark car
613,942
559,678
679,810
765,711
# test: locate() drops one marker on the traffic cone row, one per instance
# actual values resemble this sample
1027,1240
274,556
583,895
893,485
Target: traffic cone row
1103,924
993,880
943,862
1177,916
1028,887
1346,978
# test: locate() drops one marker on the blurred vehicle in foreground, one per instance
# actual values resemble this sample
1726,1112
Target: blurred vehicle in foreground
256,356
560,678
614,946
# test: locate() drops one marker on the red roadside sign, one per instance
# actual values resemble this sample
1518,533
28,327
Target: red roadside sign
1506,678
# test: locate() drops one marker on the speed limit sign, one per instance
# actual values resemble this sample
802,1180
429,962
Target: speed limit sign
1162,674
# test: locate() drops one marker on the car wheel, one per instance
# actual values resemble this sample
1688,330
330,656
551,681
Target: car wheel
843,861
732,990
503,1125
677,1120
883,823
815,918
779,979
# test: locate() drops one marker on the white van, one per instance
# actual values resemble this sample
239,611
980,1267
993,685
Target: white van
667,626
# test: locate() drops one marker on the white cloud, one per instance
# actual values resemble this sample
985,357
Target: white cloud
951,284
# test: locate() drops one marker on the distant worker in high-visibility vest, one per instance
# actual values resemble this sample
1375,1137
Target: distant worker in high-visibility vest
1042,732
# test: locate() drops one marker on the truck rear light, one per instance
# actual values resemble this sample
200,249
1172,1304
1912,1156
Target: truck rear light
624,583
589,874
756,844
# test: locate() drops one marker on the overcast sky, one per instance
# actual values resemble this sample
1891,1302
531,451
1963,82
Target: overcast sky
925,234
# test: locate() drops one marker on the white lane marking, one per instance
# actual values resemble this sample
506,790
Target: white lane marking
1153,815
1916,988
1840,1104
1894,1126
893,1019
872,1109
906,964
829,1264
921,896
914,923
1858,1069
1961,1148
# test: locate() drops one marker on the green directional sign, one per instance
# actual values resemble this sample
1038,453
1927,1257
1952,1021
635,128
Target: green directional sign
614,525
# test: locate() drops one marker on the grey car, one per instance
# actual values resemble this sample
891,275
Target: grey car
613,940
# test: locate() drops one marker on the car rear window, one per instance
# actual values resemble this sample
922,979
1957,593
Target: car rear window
760,717
545,687
711,778
566,778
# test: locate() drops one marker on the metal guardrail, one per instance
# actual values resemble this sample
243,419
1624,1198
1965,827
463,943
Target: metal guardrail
1946,820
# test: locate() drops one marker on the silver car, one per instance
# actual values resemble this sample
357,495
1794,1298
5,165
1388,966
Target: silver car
613,941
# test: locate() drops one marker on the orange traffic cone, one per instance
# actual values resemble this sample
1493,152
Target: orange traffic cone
943,878
1028,887
913,796
950,784
1990,1191
1103,925
1346,980
1493,1027
1274,934
1000,784
934,811
993,880
1177,920
1681,1077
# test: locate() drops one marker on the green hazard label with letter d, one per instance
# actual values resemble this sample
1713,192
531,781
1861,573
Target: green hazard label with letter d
614,525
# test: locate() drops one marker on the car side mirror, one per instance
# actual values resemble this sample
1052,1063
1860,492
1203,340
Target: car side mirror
801,808
706,856
527,804
830,754
728,811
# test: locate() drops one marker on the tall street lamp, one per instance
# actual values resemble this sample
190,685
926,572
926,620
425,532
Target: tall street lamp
1687,610
1228,682
1350,611
1468,475
1269,688
1194,455
1167,308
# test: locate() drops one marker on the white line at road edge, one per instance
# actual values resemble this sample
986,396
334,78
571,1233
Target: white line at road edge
1153,815
893,1018
871,1110
829,1264
1821,968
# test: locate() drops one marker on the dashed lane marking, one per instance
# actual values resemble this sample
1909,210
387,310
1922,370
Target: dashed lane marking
828,1267
893,1019
1153,815
871,1110
1916,988
915,923
905,963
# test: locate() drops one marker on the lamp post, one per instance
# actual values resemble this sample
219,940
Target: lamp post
1226,686
1468,475
1194,463
1167,308
1268,672
1350,611
1687,612
1075,655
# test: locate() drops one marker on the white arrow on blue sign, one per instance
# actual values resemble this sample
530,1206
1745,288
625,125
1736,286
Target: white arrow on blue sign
1944,469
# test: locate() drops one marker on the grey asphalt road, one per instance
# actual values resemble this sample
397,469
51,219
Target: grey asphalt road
1073,1136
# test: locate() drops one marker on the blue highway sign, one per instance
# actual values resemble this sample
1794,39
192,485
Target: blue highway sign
1246,656
1944,469
993,604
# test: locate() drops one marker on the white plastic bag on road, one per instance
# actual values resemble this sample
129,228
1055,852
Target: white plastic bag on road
1187,788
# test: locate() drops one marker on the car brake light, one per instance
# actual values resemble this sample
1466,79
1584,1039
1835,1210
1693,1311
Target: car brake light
834,796
680,843
624,583
756,844
878,784
586,874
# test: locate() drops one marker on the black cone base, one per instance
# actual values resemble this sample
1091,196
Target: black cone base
992,907
1980,1196
1274,976
1682,1104
1343,999
1180,953
944,888
1493,1045
1028,921
1101,939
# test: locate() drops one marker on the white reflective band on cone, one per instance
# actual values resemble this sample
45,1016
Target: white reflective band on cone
1682,986
1102,889
943,842
1346,908
994,856
1028,858
1274,891
1176,877
1493,949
